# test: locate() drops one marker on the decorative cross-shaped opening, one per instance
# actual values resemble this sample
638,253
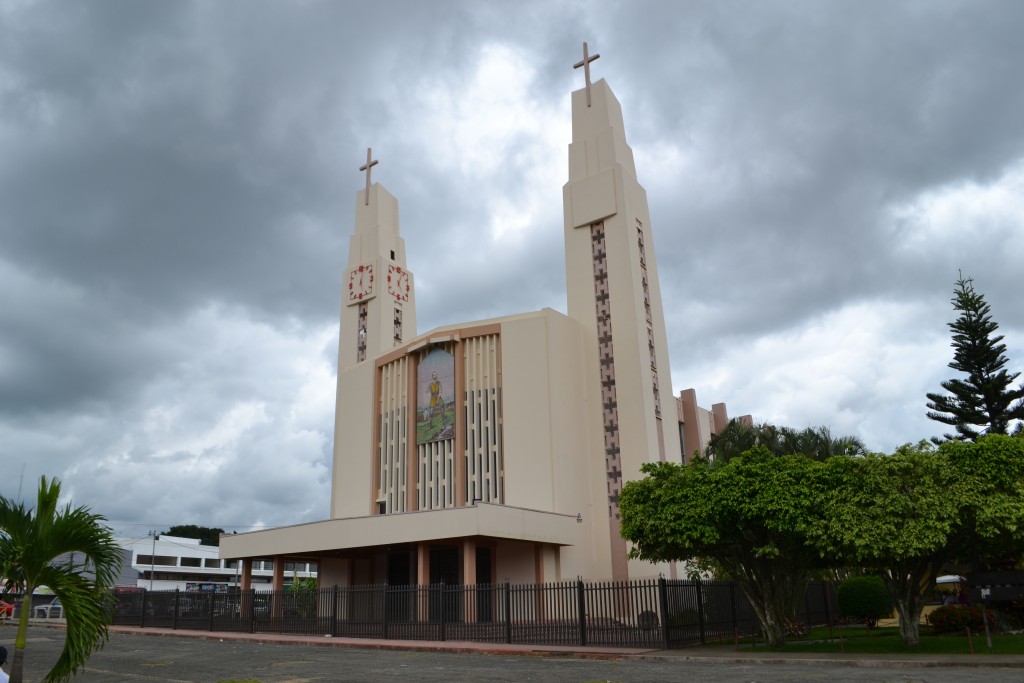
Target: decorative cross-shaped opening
370,163
585,63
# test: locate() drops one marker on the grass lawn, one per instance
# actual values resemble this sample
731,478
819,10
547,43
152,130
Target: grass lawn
887,641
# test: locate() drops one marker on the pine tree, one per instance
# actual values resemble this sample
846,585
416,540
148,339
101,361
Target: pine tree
984,402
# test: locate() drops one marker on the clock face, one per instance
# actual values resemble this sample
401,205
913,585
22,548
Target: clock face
360,283
398,283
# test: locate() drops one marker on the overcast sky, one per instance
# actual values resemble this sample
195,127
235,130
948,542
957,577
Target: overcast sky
177,191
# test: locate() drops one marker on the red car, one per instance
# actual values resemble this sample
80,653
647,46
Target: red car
6,609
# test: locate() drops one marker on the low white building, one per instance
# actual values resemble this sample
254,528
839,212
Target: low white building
172,562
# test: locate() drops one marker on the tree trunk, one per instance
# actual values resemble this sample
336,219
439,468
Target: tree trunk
909,611
774,624
773,600
905,584
17,664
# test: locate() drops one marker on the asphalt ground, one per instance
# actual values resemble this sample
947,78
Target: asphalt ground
198,657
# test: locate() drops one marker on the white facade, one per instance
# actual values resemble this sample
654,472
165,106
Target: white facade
171,562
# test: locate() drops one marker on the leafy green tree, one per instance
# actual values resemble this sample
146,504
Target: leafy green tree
895,514
984,402
992,521
302,593
908,514
205,534
29,543
748,516
816,443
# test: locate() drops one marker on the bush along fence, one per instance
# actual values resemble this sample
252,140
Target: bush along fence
655,613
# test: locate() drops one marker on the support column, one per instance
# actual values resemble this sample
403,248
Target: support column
423,580
278,586
538,559
538,578
246,580
460,427
469,578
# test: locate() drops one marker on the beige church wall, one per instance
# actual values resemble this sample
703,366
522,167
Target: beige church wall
353,443
554,448
527,413
515,562
639,569
382,210
550,563
333,571
578,462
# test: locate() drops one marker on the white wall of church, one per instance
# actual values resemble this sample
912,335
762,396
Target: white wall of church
353,443
553,431
515,561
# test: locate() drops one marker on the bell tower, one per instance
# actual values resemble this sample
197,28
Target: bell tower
378,309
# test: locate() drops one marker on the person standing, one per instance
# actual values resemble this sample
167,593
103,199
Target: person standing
4,678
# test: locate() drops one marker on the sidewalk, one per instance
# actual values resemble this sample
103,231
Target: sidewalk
723,655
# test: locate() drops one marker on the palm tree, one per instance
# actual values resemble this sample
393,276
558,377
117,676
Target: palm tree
29,544
817,444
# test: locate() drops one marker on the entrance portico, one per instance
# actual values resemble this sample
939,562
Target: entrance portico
479,544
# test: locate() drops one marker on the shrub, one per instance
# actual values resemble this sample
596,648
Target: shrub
864,597
956,618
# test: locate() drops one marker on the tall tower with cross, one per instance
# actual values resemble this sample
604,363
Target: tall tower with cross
378,296
613,291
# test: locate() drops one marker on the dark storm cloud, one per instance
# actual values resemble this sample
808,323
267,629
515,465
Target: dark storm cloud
177,184
830,118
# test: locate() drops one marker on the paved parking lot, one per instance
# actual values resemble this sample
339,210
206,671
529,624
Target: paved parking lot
177,659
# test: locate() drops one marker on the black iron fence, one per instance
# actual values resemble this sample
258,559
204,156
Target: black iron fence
654,613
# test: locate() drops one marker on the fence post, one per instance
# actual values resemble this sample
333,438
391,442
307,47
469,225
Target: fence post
177,607
508,612
443,610
581,607
663,600
142,617
384,611
828,607
700,612
334,610
732,605
213,599
252,610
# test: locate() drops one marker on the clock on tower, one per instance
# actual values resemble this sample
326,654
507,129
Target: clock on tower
398,283
360,283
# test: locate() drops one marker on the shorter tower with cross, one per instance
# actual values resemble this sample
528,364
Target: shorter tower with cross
378,296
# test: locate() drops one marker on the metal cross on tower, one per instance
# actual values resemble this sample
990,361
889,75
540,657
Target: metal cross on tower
370,163
587,59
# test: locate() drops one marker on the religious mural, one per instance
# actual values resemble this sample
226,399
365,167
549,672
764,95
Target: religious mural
435,397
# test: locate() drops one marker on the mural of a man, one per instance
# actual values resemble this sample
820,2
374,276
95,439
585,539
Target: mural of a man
436,402
435,396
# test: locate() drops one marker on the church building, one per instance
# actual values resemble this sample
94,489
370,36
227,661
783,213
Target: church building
496,449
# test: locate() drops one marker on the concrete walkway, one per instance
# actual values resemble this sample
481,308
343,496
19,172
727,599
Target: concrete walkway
723,654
